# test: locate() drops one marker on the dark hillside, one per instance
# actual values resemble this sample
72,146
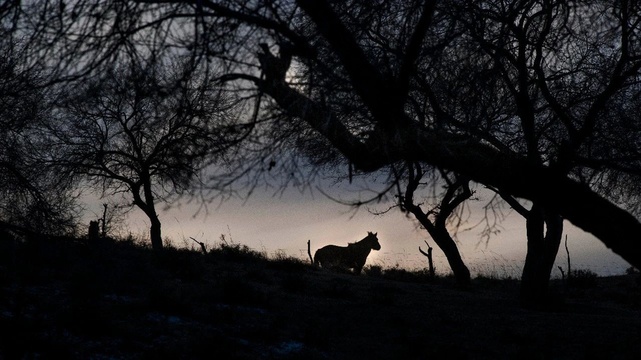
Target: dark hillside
66,299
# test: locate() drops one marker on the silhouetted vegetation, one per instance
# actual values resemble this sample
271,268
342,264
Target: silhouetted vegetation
32,194
582,278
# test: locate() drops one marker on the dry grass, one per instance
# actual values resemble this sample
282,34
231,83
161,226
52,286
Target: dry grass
118,300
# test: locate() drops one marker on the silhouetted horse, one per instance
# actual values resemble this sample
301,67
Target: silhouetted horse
352,256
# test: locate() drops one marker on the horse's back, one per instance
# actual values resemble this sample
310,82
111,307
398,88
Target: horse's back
328,253
328,250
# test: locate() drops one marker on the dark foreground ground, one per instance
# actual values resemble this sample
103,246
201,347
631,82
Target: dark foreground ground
66,299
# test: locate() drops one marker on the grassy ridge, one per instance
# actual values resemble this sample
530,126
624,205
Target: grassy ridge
66,298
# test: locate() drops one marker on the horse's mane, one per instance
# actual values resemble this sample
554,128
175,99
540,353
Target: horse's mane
369,234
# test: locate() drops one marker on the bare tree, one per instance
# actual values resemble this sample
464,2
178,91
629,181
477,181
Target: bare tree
142,130
563,102
435,220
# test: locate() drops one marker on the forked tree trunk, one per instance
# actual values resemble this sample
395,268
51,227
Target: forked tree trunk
442,238
147,206
544,232
444,241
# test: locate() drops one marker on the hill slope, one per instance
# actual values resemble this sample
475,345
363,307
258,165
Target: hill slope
68,299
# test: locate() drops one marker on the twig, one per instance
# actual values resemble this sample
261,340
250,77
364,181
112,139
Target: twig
567,251
562,273
104,221
202,245
309,251
429,258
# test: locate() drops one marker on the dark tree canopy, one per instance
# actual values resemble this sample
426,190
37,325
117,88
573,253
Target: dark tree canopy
535,99
32,196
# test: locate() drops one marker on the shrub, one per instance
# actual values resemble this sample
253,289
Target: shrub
582,278
399,274
237,252
373,270
282,261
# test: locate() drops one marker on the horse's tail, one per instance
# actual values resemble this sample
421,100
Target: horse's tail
309,251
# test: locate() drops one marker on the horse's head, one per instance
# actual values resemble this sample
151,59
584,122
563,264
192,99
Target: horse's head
373,240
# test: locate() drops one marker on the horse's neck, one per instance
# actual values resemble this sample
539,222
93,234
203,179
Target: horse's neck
362,244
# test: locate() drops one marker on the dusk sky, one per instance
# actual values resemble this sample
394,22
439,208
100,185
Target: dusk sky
272,222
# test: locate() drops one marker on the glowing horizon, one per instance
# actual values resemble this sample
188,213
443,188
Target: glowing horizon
284,224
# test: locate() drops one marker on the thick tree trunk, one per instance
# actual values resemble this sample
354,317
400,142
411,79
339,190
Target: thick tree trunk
444,241
148,207
460,270
155,233
553,235
542,247
533,286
